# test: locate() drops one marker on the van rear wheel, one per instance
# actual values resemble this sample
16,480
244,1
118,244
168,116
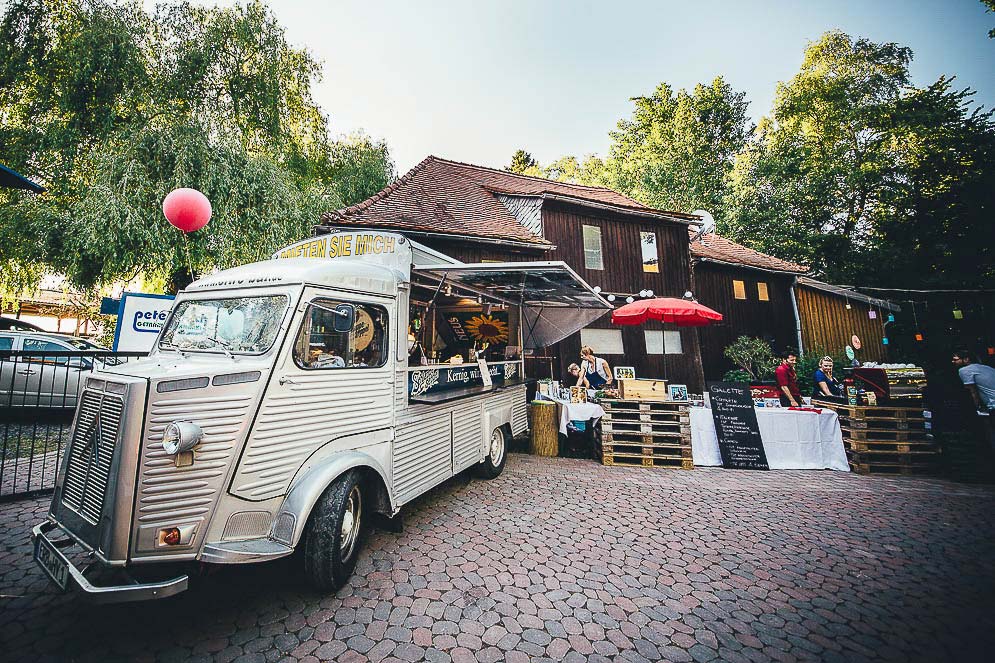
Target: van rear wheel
497,455
334,533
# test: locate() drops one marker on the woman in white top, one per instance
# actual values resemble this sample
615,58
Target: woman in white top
594,369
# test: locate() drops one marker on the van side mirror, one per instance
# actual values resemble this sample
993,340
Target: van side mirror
81,363
344,319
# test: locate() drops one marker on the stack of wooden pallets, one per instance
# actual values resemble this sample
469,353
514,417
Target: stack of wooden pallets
886,439
646,434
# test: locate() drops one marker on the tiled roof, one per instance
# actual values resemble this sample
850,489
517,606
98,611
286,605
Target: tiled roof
442,196
713,247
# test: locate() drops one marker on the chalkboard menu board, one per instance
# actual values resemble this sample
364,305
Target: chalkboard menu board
736,426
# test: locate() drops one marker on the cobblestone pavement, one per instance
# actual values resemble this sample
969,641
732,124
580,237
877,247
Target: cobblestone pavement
567,560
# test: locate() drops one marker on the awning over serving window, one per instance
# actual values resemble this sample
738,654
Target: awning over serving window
554,301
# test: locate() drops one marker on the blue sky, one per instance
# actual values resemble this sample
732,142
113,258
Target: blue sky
474,81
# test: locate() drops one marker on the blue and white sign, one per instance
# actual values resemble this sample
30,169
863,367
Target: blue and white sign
139,320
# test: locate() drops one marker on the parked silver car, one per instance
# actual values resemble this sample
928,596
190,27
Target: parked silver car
43,381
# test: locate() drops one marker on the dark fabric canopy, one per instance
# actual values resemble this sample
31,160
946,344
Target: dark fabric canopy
10,179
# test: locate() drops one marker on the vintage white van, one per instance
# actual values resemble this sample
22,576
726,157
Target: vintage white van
288,402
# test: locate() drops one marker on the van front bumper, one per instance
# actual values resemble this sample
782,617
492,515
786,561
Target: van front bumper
50,541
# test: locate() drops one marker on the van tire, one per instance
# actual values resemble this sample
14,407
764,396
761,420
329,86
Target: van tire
497,454
334,533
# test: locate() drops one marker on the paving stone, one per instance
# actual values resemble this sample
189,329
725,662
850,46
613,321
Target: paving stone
685,566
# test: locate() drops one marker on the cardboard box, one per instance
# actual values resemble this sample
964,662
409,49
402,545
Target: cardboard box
643,390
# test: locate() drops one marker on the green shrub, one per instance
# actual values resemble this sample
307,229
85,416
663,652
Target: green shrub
753,356
737,375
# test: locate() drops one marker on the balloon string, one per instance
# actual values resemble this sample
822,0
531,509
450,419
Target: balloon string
186,247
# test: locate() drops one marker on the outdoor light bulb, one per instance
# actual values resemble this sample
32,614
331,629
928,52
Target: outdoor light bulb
642,293
649,293
688,294
611,298
629,300
597,289
180,436
848,306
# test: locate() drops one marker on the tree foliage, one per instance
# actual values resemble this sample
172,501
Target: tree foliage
112,107
856,172
521,162
677,149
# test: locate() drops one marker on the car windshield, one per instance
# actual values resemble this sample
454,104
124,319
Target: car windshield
82,344
242,324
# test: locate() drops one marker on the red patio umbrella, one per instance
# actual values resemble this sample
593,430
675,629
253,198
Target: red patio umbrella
680,312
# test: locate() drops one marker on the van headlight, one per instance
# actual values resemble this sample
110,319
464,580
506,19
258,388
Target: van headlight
181,436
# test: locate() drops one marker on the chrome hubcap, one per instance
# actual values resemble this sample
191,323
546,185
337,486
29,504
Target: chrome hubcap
351,521
497,447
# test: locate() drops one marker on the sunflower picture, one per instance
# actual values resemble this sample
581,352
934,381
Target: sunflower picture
488,329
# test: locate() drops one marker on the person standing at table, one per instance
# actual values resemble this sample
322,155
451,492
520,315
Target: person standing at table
594,369
826,386
787,380
574,371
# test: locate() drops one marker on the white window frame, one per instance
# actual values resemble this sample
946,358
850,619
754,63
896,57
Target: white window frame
603,341
663,342
649,268
593,258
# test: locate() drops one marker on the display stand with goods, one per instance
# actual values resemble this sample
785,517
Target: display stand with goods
647,434
886,439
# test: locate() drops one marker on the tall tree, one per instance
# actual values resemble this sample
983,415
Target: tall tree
677,149
836,174
112,107
522,163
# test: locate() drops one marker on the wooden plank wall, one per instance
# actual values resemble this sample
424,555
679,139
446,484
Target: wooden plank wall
828,325
772,320
623,272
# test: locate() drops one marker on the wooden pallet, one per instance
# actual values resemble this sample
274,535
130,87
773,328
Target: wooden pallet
878,435
614,428
892,468
656,450
873,411
890,446
639,460
612,405
664,417
882,423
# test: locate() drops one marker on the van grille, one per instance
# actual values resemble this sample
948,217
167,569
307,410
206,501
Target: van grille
91,451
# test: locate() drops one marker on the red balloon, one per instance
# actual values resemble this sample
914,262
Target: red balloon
187,209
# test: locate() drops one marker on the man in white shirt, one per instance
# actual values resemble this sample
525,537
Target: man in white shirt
979,380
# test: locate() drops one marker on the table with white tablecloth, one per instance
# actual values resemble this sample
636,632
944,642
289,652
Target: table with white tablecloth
574,411
792,439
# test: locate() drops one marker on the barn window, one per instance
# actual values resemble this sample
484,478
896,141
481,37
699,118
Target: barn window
739,289
603,341
762,292
663,342
651,259
592,248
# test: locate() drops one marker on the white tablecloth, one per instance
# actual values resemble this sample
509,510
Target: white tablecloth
792,440
574,411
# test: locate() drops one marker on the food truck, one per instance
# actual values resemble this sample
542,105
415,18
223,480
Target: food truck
289,402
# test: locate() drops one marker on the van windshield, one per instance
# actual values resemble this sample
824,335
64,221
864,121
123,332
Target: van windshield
244,324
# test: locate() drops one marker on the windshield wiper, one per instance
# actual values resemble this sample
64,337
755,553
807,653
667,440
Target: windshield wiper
224,346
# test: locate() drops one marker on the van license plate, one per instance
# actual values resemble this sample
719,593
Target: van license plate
52,561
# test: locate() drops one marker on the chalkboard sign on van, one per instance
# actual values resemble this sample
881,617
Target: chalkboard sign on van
736,426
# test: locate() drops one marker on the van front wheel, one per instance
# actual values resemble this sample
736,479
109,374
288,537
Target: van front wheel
334,533
497,455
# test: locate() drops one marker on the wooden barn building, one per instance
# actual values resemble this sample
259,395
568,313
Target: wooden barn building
752,290
478,214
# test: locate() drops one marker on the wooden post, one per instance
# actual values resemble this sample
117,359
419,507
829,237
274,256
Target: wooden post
545,428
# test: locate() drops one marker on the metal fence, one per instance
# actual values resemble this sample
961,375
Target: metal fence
39,391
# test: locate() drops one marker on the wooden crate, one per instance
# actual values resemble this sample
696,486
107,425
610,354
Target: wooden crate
887,445
643,390
872,412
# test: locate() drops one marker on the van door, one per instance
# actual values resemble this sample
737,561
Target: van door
8,373
331,385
